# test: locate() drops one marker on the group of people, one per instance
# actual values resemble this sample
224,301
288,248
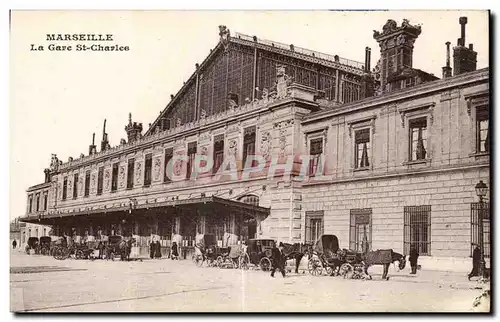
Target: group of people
155,250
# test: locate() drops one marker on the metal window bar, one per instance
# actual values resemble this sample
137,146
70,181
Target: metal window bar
360,223
417,229
314,225
475,211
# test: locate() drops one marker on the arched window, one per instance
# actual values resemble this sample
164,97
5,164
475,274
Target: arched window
250,199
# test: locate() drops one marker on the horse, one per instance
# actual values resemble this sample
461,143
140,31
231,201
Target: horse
125,248
383,257
296,251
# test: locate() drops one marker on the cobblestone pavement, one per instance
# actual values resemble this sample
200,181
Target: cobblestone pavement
41,283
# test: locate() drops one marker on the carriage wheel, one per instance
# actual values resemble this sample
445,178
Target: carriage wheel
347,270
329,270
79,254
44,251
219,261
244,261
265,264
198,260
314,266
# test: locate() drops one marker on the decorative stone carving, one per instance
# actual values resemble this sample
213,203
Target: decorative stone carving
138,172
206,137
156,169
233,129
283,124
107,179
121,175
54,163
178,122
283,81
93,183
203,114
282,140
265,144
225,36
233,148
178,165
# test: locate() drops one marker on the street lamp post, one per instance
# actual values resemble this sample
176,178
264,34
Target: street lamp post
481,191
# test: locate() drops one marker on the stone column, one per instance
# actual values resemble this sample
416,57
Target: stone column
230,238
91,237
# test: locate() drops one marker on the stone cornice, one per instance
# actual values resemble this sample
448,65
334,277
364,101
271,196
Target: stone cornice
481,75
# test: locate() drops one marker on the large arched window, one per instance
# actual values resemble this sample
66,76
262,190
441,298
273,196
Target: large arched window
250,199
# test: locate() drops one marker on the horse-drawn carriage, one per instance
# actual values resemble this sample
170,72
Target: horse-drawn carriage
206,250
33,243
325,256
348,263
118,246
46,245
231,257
258,253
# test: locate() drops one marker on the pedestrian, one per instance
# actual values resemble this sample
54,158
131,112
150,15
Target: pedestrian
278,260
476,258
158,249
413,259
175,252
100,247
152,246
14,244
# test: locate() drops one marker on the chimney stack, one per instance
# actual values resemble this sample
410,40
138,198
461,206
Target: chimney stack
368,54
92,147
447,68
464,59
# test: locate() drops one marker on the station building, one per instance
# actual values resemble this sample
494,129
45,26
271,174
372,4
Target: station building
317,144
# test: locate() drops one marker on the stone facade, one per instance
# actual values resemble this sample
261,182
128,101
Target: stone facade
418,148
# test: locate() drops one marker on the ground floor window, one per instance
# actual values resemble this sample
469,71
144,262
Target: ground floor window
476,209
314,225
417,229
360,232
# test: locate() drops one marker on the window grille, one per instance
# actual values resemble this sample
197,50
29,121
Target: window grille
360,232
314,225
417,229
476,208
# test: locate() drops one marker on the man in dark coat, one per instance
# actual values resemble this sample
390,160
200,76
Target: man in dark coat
278,260
14,244
413,259
152,247
158,249
175,252
476,258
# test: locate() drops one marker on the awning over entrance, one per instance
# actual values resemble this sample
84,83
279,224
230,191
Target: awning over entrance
204,204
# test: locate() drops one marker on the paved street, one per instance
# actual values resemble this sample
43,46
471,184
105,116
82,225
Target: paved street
41,283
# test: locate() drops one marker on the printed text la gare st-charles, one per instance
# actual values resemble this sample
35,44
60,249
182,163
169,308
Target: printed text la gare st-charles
88,42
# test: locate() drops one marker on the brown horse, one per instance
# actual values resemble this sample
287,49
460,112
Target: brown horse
383,257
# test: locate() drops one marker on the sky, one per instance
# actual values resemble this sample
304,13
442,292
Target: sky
58,99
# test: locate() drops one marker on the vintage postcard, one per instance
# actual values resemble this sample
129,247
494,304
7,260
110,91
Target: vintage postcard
250,161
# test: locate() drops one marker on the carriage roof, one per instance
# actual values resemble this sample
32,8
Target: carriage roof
327,242
209,240
45,239
114,239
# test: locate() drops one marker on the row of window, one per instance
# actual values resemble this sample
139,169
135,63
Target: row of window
39,206
416,231
417,148
218,157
